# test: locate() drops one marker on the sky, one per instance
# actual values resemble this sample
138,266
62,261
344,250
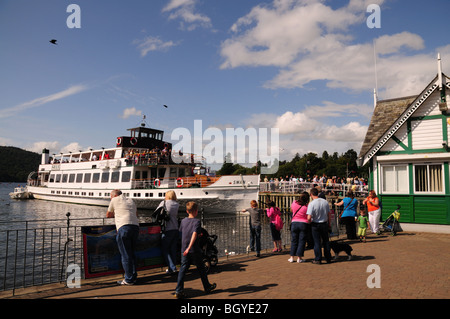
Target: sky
307,68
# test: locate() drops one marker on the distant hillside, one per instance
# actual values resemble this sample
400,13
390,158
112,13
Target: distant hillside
16,164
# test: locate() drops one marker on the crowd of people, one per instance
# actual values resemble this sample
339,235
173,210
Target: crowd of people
148,156
332,186
124,212
310,223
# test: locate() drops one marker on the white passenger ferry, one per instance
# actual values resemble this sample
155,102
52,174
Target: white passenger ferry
143,167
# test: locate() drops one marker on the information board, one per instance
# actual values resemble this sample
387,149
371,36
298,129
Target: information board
102,256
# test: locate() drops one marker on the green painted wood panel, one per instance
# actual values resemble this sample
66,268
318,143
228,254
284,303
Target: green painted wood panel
430,209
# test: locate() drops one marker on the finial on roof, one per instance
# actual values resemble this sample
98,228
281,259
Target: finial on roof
375,98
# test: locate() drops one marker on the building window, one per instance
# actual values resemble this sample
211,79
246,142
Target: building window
395,179
428,178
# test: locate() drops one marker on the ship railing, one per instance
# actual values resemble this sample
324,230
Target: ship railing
154,159
330,189
198,181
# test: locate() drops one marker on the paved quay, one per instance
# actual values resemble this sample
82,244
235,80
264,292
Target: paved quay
411,265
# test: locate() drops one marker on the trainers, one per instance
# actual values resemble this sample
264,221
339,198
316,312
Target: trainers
210,288
170,272
179,295
299,260
123,282
291,260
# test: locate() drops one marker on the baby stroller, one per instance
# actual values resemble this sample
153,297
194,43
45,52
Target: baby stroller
392,224
209,249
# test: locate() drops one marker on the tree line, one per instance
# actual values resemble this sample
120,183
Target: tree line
16,164
306,166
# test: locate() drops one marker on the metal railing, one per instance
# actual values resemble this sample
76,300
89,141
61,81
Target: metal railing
292,187
37,252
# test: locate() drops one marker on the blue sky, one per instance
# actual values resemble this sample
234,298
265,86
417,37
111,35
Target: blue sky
303,66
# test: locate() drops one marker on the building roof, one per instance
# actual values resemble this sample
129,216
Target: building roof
384,116
388,112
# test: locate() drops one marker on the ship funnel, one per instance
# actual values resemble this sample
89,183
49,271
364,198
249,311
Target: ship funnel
45,156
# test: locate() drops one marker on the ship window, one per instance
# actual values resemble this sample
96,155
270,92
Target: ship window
126,177
52,178
87,177
79,178
115,177
95,177
71,178
64,178
105,177
58,178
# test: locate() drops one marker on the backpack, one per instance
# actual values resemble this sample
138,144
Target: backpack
278,222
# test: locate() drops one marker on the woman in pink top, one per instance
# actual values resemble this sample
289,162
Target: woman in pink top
299,227
272,212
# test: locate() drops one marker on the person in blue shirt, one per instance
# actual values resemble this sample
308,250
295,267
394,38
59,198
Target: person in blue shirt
347,217
190,229
318,215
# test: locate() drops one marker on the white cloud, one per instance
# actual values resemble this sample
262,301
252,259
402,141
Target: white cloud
55,147
42,100
149,44
185,10
307,130
132,111
308,41
37,147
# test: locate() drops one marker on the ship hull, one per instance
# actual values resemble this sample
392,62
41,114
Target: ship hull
211,200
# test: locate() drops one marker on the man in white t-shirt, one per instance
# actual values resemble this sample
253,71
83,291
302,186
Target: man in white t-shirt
124,212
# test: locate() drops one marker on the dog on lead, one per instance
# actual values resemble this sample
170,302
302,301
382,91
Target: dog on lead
337,248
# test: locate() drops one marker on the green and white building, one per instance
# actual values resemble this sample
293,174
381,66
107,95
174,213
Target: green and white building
407,146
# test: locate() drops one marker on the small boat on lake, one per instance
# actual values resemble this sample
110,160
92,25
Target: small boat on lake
20,192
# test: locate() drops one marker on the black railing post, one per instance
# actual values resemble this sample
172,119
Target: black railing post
65,247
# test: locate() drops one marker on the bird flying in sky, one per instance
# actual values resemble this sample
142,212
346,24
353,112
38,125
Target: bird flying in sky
53,41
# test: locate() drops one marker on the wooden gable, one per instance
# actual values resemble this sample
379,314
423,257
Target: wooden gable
389,130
